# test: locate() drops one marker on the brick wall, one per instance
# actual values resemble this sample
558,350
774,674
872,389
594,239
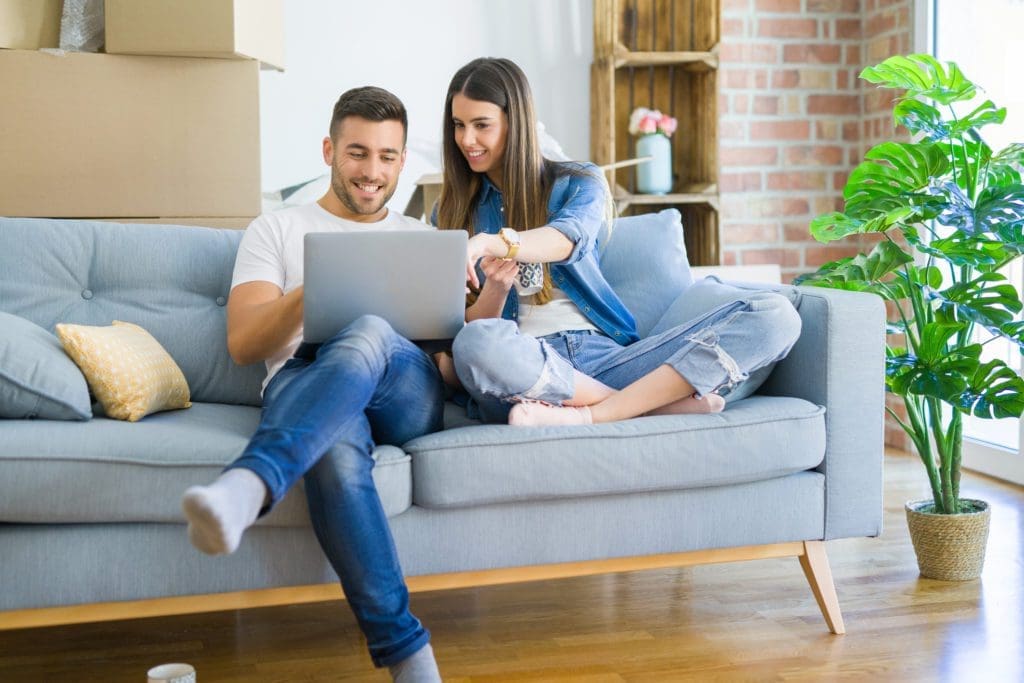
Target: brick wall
887,32
795,119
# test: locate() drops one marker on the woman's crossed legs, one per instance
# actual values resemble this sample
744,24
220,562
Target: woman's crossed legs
587,377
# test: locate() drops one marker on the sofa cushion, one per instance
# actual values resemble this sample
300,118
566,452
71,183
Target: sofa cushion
130,374
644,260
37,379
759,438
114,471
171,280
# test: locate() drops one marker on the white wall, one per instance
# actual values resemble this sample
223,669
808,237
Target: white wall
413,48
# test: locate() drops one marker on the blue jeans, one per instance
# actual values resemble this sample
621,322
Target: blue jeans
322,414
714,353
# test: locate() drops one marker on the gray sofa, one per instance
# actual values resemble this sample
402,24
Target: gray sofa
89,509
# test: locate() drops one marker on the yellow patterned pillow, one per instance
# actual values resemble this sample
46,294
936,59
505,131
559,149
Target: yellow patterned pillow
127,370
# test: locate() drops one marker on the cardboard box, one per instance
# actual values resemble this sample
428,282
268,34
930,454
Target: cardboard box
424,196
233,29
235,223
30,24
108,135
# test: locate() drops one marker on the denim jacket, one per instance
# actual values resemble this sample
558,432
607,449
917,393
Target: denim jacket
577,210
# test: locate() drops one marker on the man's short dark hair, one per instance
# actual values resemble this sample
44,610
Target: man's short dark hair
370,103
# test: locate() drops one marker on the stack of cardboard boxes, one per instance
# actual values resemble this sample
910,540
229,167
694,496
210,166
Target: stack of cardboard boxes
164,127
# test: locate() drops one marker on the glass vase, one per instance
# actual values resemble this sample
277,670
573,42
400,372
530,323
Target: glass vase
654,176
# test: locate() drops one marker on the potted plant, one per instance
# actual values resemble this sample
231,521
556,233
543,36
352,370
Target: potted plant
947,214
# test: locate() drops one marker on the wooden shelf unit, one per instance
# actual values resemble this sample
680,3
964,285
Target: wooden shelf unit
661,54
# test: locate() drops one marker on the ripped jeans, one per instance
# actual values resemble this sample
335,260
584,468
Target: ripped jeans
715,353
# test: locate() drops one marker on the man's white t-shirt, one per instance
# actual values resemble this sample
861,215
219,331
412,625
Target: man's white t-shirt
271,251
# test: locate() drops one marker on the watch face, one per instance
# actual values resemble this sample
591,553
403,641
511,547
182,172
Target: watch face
510,236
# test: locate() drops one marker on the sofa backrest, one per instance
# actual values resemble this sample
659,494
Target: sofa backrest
174,282
171,280
644,260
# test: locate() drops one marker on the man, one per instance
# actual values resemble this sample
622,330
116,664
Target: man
325,406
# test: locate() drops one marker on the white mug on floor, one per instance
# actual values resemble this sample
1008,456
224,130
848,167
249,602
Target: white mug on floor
171,673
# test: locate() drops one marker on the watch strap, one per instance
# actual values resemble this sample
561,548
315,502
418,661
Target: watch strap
511,244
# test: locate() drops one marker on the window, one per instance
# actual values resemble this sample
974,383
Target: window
983,37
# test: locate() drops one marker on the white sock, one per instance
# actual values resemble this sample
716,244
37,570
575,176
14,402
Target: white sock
419,667
218,514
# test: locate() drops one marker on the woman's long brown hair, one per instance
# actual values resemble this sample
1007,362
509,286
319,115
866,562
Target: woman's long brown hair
527,177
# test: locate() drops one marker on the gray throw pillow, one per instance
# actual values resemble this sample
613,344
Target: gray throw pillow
645,262
37,379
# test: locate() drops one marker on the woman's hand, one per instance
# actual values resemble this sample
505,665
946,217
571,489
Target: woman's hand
479,246
499,273
537,245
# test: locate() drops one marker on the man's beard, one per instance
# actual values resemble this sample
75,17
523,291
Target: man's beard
341,192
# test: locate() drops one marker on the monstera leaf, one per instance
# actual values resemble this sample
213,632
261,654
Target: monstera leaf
944,379
986,113
989,300
893,172
968,155
1014,332
994,390
921,118
835,226
921,76
964,250
951,206
916,278
1005,167
936,370
1000,211
861,273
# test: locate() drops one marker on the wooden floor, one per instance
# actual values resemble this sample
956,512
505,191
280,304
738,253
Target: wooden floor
743,621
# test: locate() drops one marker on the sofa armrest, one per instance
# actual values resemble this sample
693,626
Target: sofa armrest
838,362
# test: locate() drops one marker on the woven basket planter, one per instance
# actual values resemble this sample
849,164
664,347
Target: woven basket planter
949,547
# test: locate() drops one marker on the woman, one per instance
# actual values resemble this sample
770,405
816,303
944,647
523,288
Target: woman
569,354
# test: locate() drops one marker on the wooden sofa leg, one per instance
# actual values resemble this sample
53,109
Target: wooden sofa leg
814,562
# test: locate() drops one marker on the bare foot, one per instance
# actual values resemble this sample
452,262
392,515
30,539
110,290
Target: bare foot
691,405
537,414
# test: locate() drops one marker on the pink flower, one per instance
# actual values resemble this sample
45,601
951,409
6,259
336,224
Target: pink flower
648,124
667,125
634,119
644,121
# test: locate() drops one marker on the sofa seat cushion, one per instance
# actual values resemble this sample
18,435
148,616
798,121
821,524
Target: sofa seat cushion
113,471
759,438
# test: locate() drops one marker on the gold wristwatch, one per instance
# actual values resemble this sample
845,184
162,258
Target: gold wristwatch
511,239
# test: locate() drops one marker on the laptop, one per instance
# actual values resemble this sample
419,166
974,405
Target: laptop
414,279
